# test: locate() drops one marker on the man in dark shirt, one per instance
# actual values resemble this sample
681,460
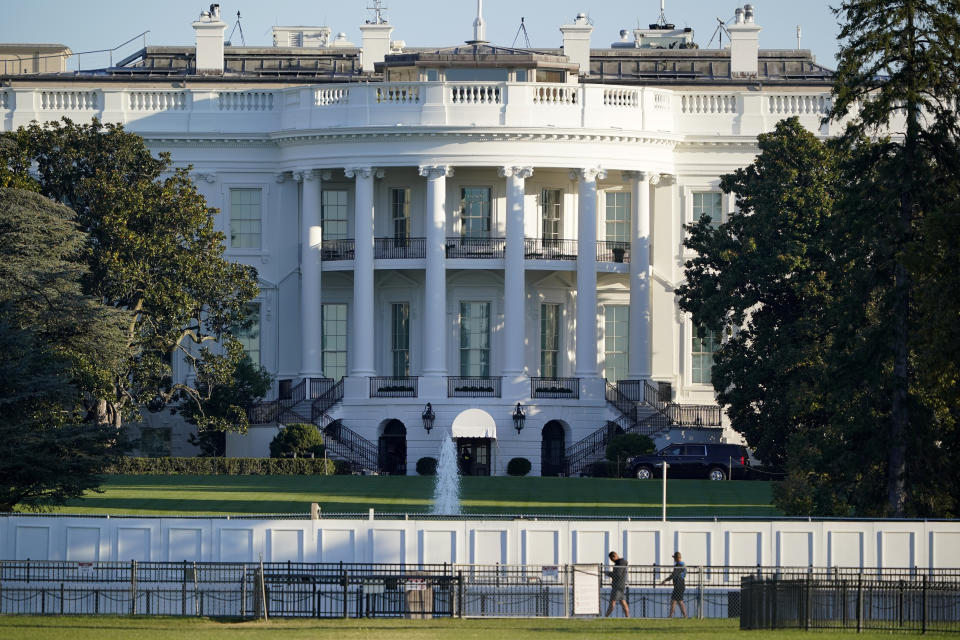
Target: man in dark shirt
618,584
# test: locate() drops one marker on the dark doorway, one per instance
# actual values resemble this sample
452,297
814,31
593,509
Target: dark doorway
552,449
473,456
393,449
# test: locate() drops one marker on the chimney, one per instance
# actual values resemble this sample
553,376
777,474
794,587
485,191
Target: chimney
744,44
375,43
209,29
576,42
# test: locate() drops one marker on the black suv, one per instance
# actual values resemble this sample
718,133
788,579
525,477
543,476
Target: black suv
693,460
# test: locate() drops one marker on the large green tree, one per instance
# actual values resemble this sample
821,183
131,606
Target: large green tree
55,344
153,251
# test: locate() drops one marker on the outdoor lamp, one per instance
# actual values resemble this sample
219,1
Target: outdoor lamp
518,418
428,417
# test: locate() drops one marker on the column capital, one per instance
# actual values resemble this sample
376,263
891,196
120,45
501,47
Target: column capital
363,172
515,172
304,175
642,176
588,175
281,176
436,171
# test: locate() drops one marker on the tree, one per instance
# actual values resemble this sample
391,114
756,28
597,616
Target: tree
297,440
55,344
899,62
153,252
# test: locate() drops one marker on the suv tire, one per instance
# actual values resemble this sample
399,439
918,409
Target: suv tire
717,473
643,473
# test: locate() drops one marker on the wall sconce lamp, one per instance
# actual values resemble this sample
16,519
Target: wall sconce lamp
518,418
428,417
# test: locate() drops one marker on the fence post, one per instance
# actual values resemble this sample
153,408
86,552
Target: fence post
460,593
809,599
700,593
566,591
133,587
196,591
859,603
183,591
61,598
243,593
923,605
346,585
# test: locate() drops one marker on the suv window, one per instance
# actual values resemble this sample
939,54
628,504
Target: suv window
695,450
675,450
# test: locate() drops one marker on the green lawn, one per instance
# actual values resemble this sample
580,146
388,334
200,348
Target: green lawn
165,495
109,628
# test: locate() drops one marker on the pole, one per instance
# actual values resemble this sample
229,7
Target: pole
263,590
665,465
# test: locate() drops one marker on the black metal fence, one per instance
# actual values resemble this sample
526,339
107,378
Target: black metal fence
763,597
913,603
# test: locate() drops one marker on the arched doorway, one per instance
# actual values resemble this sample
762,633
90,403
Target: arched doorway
552,449
393,449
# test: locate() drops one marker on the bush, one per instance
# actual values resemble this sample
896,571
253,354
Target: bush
227,466
427,466
518,467
601,469
627,445
298,440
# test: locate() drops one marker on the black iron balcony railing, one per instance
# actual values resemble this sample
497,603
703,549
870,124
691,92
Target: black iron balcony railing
332,250
554,387
473,387
549,249
399,248
613,251
393,387
477,248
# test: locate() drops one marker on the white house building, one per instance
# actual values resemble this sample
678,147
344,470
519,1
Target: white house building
475,239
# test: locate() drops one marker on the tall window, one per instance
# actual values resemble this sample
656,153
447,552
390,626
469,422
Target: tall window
550,208
400,338
616,341
400,210
618,216
705,344
475,212
334,340
334,215
248,334
475,339
708,203
549,340
245,218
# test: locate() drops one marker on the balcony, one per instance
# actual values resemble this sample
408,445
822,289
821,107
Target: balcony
399,248
613,251
473,387
476,248
549,249
334,250
555,388
393,387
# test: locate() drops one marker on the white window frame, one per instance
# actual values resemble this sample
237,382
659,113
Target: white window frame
227,196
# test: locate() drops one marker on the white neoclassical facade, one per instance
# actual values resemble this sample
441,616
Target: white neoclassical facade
477,240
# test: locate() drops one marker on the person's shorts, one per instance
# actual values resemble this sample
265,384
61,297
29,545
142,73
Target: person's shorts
616,595
678,590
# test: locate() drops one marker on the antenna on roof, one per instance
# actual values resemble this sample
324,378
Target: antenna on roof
378,10
523,30
237,25
799,35
662,20
719,31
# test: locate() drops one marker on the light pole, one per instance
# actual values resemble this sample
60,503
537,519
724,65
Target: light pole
665,465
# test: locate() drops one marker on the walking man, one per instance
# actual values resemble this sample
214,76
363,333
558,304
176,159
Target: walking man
678,576
618,584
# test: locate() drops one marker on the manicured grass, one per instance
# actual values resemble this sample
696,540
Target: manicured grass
194,495
109,628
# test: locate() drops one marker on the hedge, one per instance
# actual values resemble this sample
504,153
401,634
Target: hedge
518,467
427,466
229,466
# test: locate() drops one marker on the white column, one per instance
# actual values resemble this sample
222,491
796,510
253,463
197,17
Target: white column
514,285
435,296
586,365
362,321
311,305
638,365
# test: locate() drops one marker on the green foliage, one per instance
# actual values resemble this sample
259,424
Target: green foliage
297,440
626,445
152,251
427,466
518,467
53,341
223,466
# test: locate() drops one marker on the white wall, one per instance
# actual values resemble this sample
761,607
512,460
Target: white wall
858,544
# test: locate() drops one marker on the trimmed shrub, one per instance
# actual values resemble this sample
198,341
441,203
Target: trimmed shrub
627,445
427,466
518,467
298,440
226,466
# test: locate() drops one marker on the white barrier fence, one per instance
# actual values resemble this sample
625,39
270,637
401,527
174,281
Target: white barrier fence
784,543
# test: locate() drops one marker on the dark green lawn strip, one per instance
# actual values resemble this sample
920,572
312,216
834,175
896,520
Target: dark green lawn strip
194,495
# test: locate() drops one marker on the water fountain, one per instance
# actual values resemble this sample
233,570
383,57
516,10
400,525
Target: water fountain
446,490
